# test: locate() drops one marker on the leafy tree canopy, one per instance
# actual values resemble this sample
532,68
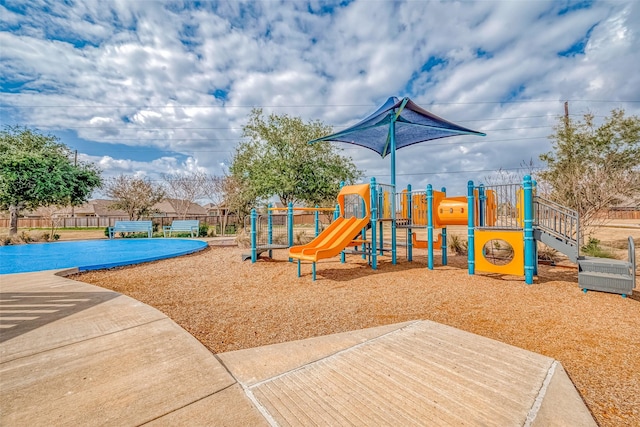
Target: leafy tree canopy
38,170
277,160
592,168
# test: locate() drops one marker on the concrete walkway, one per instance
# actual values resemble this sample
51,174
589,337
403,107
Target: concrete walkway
75,354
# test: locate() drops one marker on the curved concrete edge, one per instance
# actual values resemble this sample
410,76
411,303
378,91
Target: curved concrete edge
562,404
80,354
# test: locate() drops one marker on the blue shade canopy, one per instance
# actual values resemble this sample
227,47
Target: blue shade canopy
399,119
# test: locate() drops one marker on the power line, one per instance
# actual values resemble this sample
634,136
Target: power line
464,171
529,101
420,173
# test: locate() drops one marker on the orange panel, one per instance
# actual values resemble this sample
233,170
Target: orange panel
362,190
419,209
491,211
451,211
422,244
514,237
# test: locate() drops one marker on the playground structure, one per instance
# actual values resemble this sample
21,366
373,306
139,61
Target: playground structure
353,218
369,217
273,229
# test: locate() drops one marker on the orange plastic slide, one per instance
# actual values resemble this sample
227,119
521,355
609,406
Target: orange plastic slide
333,240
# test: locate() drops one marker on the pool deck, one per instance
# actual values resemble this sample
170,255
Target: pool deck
76,354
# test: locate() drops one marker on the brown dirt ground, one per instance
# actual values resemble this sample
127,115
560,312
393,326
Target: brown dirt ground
230,305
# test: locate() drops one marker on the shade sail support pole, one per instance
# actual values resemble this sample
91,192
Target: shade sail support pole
392,134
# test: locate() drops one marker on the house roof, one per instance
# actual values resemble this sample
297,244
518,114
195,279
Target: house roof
167,207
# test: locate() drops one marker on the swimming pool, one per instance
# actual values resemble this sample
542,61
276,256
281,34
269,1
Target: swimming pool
91,254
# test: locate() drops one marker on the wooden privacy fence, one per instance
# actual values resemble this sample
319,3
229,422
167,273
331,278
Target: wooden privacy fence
622,214
95,222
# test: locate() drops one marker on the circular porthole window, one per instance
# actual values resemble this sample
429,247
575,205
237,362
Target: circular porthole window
498,252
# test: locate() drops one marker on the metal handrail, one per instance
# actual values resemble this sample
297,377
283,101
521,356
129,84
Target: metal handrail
557,220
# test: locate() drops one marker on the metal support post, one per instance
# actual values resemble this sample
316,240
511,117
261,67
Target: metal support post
444,237
529,242
430,227
470,227
254,243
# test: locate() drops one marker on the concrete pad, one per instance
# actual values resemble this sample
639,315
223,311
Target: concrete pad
558,408
124,378
253,365
38,315
229,407
421,372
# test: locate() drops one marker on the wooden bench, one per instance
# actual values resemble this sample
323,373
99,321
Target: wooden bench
131,227
186,225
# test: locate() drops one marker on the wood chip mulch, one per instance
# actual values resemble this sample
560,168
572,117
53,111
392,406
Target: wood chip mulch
228,305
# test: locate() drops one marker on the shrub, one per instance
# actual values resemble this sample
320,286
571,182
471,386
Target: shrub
203,231
243,238
457,245
47,237
594,249
547,254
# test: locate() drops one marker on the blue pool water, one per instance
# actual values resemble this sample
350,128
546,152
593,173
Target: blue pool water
91,254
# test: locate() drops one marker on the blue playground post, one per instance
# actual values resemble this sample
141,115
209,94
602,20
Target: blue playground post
394,249
380,202
529,242
290,223
374,219
363,233
429,226
269,229
254,250
534,184
444,237
316,220
470,228
408,202
392,138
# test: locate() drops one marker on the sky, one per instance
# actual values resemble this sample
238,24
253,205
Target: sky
149,87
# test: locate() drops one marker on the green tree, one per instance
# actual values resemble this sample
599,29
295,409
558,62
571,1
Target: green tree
136,196
277,160
592,168
38,170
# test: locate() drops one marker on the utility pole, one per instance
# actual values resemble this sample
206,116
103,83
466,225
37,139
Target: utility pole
566,115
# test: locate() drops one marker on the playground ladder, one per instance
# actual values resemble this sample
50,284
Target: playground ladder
608,275
557,227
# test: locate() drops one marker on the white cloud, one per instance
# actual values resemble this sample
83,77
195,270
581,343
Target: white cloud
178,79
